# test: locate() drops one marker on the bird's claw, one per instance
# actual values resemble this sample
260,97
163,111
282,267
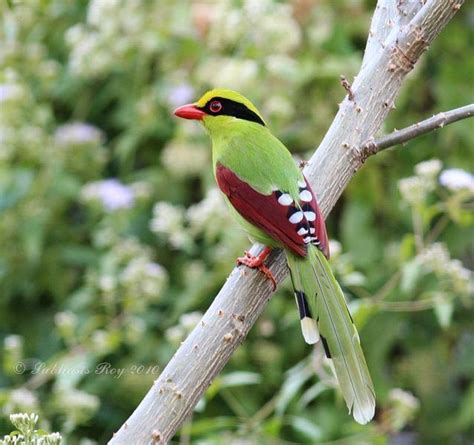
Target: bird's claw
256,262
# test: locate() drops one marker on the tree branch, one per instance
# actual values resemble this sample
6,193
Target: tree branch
439,120
244,295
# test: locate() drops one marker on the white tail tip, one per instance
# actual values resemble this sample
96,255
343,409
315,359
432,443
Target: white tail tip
309,330
363,413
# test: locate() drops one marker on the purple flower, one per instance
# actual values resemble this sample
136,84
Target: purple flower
180,95
77,133
111,193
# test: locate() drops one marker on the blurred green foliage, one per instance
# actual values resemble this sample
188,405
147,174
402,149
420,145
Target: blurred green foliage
113,238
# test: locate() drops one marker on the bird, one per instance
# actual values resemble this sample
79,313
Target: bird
269,195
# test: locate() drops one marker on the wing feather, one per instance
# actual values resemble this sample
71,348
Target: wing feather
277,214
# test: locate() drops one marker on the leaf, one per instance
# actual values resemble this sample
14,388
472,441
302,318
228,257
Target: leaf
240,378
306,428
407,247
41,432
311,394
296,377
213,424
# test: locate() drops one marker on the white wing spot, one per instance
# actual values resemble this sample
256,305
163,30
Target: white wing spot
302,184
310,216
306,196
312,230
302,231
296,217
285,199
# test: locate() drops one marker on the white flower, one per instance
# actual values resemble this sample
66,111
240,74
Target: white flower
101,11
52,439
107,283
281,66
256,8
22,398
279,106
187,322
144,279
457,179
190,320
238,74
101,341
65,319
335,248
413,189
429,169
184,160
280,31
87,441
25,423
77,133
111,193
436,258
168,220
403,397
66,322
80,404
175,334
13,342
209,216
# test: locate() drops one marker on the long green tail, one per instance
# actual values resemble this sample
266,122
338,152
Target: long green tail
323,308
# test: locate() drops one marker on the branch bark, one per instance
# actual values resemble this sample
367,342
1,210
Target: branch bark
398,37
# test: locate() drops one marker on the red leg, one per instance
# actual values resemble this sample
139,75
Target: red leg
256,262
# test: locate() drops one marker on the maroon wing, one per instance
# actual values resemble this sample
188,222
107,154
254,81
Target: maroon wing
293,225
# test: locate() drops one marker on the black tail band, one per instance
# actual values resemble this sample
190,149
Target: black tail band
302,303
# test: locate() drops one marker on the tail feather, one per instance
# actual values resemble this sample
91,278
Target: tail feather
309,327
312,277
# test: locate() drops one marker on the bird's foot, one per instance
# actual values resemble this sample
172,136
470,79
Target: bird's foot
256,262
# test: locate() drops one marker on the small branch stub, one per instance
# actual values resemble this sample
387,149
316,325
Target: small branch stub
347,86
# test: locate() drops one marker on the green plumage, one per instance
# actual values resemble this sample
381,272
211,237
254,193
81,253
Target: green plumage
328,306
244,147
259,159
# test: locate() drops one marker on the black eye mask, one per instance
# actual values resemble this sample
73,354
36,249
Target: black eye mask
232,108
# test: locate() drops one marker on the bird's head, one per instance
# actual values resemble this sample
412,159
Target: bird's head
219,107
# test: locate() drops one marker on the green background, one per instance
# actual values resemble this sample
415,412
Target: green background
117,272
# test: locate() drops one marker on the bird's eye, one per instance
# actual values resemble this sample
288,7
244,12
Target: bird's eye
215,106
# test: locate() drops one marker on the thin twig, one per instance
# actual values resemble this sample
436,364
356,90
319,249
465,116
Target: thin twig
389,285
439,120
407,306
437,229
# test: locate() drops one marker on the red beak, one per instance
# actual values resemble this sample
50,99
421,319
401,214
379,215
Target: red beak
189,111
